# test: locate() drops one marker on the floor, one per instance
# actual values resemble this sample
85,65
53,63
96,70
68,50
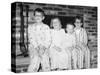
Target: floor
23,62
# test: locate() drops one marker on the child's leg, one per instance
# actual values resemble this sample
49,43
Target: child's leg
74,57
34,59
69,59
80,58
87,58
52,56
34,64
45,62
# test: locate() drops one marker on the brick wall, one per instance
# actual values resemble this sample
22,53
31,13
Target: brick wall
89,15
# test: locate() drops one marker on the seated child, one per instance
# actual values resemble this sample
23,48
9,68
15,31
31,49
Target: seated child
39,38
82,41
70,45
58,56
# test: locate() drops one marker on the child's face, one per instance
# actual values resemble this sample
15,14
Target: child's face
38,17
56,24
70,28
78,23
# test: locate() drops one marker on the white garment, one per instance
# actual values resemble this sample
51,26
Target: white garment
58,56
39,35
69,45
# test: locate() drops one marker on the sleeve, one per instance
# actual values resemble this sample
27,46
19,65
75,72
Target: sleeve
74,40
64,41
47,42
32,36
85,39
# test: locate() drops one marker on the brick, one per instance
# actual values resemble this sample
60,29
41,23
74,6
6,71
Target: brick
79,14
94,27
62,6
94,45
51,12
69,10
92,18
18,71
95,15
61,13
95,9
87,15
87,21
94,33
87,28
91,12
92,42
92,48
91,24
85,12
47,8
95,30
80,11
41,4
25,70
76,7
57,9
91,31
92,21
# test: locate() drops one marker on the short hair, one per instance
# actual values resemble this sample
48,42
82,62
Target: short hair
39,10
79,18
51,24
70,23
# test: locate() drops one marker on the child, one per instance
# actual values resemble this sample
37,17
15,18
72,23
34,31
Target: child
58,56
82,41
70,45
39,38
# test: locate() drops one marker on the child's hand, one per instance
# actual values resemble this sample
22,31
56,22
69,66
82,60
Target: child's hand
70,48
84,44
42,50
57,48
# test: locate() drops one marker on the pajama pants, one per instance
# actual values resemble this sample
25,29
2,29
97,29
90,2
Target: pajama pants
35,61
59,59
69,59
72,58
86,57
83,57
80,56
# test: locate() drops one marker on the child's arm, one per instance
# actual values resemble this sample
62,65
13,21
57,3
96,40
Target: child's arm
48,39
85,37
57,48
47,42
31,36
75,42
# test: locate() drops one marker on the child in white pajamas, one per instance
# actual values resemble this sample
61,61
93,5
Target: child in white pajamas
82,43
58,56
70,46
39,38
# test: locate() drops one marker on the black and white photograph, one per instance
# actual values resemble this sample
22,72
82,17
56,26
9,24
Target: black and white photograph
53,37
